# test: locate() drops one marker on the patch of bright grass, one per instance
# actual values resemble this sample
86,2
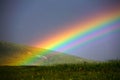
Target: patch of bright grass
85,71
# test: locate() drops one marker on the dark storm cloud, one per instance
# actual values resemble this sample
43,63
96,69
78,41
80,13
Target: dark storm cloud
4,29
24,21
21,17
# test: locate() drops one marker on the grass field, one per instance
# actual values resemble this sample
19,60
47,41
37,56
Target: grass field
86,71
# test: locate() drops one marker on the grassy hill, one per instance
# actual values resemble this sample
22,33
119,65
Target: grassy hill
55,66
10,52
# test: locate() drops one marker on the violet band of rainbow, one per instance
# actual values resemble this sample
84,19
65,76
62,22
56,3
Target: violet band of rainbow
81,34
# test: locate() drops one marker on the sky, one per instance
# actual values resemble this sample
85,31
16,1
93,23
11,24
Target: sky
32,22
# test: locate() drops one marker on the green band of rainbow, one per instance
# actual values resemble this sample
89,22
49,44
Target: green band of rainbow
81,37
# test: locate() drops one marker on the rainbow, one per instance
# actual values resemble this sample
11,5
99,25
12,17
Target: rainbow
80,33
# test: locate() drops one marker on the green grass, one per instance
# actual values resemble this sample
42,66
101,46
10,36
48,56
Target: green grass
85,71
